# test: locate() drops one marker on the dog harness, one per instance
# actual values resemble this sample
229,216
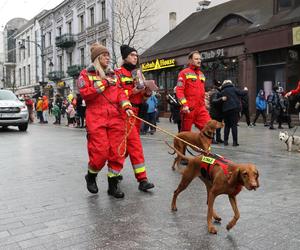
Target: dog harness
207,163
286,142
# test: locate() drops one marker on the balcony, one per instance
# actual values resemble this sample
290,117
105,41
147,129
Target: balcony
65,41
55,75
74,70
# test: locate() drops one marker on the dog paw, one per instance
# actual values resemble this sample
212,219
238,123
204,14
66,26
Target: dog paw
229,226
212,230
174,209
218,219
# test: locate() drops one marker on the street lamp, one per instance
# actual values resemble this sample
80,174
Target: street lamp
22,47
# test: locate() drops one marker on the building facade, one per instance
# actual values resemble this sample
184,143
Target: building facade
66,32
253,43
9,66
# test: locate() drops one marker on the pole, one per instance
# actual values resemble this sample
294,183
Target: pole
42,56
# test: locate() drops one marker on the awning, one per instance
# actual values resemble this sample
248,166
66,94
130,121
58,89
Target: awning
26,91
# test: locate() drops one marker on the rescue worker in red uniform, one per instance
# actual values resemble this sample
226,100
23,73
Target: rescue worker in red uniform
294,91
137,95
190,92
106,104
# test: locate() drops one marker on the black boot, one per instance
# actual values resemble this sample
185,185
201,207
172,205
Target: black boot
113,187
91,183
145,185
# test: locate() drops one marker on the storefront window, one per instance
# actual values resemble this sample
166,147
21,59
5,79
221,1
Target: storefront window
221,70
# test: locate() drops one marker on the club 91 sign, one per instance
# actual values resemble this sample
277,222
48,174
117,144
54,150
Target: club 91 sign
212,54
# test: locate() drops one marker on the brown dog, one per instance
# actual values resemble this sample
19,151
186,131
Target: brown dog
220,177
200,139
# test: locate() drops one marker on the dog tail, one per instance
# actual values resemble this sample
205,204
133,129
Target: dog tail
171,153
179,153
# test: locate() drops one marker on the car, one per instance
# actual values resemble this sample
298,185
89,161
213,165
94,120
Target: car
12,111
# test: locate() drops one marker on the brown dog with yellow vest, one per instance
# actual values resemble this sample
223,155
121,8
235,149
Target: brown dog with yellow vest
202,139
220,176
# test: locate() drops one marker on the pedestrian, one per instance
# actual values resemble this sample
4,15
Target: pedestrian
106,104
64,107
274,106
80,110
215,111
131,80
175,108
56,112
71,115
151,114
45,109
50,106
245,109
190,92
284,115
261,107
39,109
231,107
30,105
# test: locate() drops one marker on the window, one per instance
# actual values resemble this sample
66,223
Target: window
92,16
69,59
70,27
20,77
81,23
284,5
43,41
103,10
50,38
82,56
24,75
29,75
20,54
59,31
60,63
28,45
231,21
23,53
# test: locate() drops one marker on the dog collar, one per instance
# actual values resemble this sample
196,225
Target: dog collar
208,136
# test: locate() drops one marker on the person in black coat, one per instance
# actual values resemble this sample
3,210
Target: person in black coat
245,108
231,107
80,111
175,108
215,108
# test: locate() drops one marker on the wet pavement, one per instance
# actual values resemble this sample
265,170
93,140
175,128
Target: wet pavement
44,203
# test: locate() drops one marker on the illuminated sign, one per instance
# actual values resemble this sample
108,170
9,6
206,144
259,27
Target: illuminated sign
158,64
61,84
296,35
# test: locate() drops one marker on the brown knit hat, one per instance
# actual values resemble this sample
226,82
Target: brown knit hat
96,50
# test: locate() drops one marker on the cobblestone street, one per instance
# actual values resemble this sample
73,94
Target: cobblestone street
44,203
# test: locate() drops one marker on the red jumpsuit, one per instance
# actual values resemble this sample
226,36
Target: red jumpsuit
297,90
134,144
190,92
104,121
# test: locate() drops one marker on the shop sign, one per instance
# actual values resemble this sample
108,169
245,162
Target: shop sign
212,54
296,35
158,64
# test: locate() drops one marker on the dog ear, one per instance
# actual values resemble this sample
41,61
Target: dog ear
233,176
257,181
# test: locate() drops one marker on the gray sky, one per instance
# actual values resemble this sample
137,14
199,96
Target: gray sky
27,9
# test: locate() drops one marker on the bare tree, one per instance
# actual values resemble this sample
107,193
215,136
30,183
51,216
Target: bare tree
132,22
